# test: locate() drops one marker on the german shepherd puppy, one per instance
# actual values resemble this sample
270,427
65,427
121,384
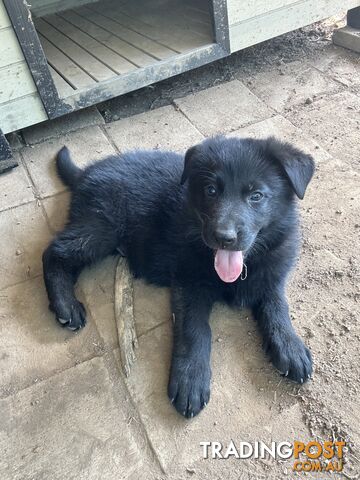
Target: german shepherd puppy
218,224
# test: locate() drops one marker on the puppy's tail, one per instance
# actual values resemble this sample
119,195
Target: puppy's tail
66,168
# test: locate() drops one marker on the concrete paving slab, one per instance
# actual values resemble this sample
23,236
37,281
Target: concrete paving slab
223,108
283,130
151,304
151,307
15,187
328,229
241,377
86,145
70,426
24,236
56,209
63,125
33,345
163,128
338,63
334,123
98,285
324,291
290,84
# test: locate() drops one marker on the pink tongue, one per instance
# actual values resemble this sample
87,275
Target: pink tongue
228,265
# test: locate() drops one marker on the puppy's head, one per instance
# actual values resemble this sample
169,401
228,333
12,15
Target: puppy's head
238,188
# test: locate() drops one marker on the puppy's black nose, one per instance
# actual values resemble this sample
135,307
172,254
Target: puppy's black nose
226,238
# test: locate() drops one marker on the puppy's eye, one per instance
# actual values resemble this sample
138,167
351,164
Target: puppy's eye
256,196
210,191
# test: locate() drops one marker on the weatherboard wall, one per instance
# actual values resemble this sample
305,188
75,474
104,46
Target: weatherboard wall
20,104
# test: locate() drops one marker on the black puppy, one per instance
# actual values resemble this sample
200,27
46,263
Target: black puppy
221,227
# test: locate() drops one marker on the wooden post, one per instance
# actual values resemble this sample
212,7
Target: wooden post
353,17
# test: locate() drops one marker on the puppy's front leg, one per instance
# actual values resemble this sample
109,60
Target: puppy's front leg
189,383
286,350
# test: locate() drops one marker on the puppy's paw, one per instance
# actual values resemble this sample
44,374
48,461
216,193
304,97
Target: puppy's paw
290,356
189,385
72,316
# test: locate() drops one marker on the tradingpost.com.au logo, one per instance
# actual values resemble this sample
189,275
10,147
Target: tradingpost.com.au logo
308,457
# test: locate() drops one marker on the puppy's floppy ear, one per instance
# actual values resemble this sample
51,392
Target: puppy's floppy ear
189,158
297,165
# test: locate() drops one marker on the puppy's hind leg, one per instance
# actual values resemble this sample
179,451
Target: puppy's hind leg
74,248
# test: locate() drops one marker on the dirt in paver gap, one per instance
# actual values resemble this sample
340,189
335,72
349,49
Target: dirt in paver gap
275,53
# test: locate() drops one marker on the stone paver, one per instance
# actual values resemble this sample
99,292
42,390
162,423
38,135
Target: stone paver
151,304
283,130
291,84
33,345
329,227
71,426
97,284
334,122
223,108
24,236
325,288
340,64
164,128
241,377
86,145
15,187
56,209
63,125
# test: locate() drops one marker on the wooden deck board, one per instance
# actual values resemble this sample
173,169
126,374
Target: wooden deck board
133,55
94,68
99,42
101,52
136,39
72,72
64,88
164,38
153,26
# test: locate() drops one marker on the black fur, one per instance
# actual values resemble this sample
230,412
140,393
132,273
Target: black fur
67,170
167,220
